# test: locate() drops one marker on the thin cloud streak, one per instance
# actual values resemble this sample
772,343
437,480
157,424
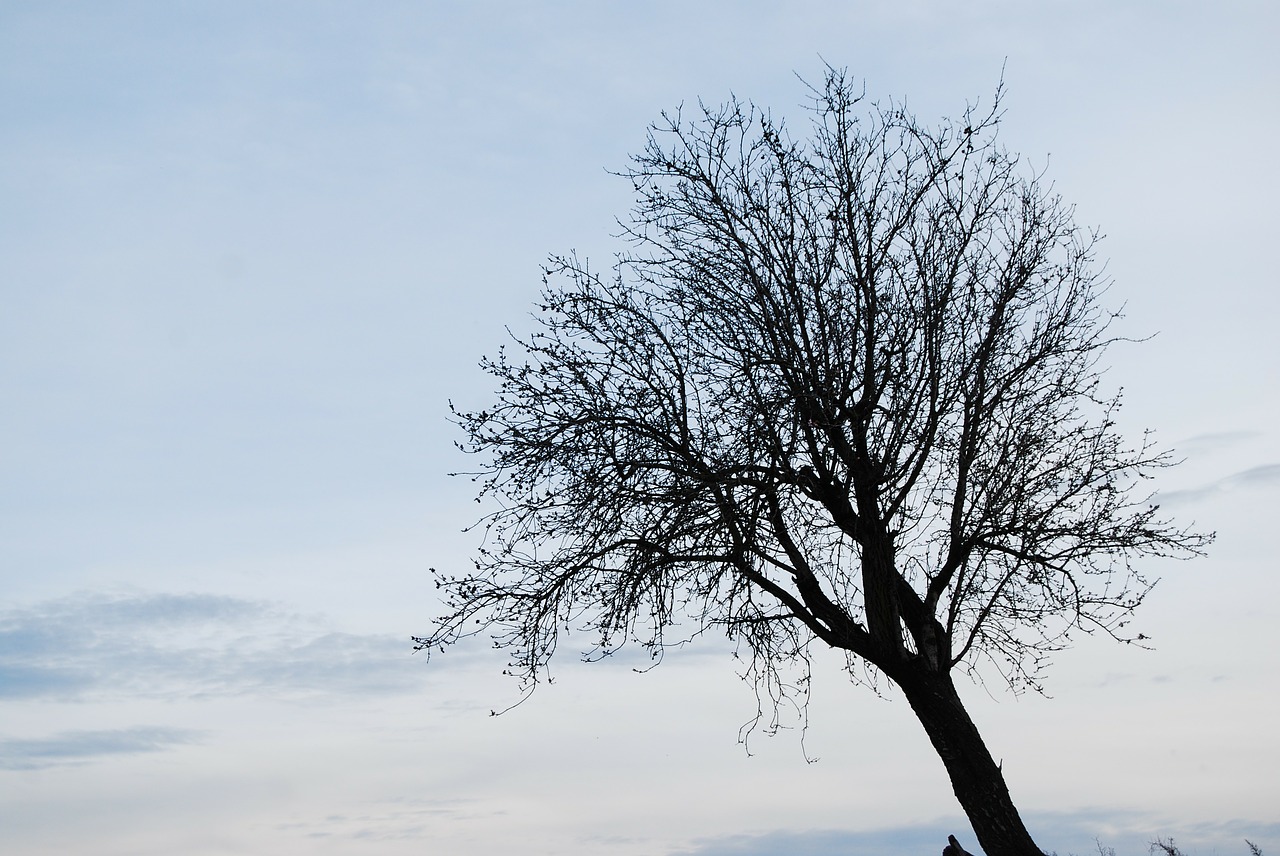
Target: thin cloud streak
1215,441
1260,477
79,747
91,647
401,819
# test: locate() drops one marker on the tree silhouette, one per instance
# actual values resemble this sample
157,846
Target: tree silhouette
841,390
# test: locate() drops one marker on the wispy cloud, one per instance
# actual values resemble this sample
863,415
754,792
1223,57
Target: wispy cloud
391,820
1263,476
1214,441
78,747
169,645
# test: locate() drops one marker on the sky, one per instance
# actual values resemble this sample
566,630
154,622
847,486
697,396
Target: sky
249,251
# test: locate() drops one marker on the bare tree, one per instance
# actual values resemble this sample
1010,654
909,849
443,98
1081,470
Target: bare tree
840,390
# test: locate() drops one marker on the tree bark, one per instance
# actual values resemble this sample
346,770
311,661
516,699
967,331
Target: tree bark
975,776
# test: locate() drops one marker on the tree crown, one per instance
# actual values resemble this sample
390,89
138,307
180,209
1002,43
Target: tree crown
842,389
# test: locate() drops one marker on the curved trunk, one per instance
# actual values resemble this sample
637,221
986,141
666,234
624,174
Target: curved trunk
976,778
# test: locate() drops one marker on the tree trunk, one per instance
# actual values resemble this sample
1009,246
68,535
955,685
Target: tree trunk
976,778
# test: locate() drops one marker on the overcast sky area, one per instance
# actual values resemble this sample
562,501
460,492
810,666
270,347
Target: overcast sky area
250,250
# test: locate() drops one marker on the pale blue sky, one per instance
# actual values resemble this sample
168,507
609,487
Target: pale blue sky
249,250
